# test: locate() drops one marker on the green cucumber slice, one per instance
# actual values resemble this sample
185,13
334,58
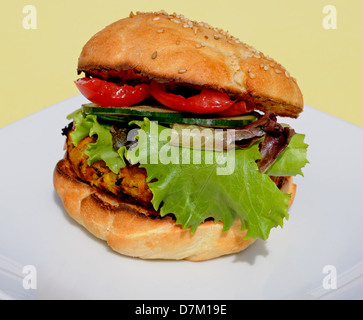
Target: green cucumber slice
142,111
165,115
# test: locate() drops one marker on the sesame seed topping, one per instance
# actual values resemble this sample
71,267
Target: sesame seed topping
244,52
154,55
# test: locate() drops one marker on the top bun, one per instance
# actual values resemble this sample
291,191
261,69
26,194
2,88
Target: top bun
167,47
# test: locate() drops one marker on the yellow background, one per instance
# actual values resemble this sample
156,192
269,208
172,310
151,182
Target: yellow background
38,66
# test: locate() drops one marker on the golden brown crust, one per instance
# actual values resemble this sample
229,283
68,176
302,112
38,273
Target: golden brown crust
171,48
128,231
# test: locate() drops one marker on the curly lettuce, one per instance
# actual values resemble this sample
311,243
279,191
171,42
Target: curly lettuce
196,191
102,149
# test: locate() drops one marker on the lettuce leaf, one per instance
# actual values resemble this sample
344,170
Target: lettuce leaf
102,149
82,124
292,159
210,188
195,192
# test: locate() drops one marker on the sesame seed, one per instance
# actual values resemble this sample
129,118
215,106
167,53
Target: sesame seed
198,45
182,70
217,36
202,44
252,76
266,68
238,77
160,31
206,37
154,55
278,71
156,18
162,12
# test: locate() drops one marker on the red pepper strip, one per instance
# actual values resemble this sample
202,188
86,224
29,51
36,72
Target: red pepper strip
108,94
208,101
236,109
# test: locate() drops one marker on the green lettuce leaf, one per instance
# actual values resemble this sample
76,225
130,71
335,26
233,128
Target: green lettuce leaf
83,125
220,185
292,159
102,149
195,192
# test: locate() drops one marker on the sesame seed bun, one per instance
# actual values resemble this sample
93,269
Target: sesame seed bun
172,48
128,231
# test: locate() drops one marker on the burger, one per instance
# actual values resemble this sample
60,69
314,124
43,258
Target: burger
179,153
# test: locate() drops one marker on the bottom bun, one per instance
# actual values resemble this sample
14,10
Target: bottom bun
130,232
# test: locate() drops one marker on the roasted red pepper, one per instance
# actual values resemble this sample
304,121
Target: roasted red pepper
207,101
108,94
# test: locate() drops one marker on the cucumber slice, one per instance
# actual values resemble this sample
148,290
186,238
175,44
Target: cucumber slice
165,115
142,111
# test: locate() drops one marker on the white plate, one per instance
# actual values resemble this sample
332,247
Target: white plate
324,229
